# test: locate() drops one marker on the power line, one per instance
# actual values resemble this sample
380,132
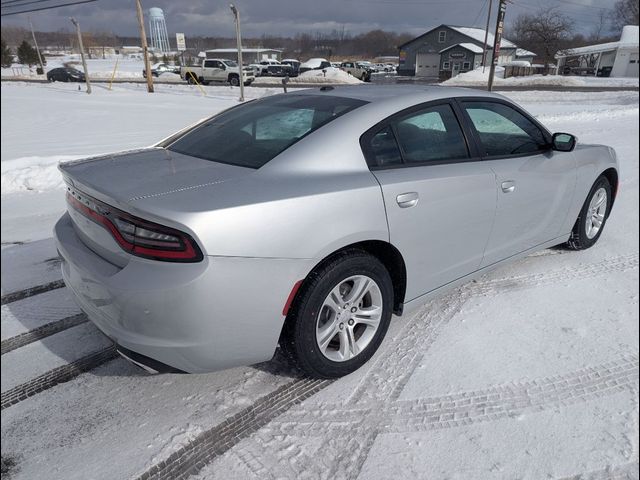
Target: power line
480,12
49,7
22,3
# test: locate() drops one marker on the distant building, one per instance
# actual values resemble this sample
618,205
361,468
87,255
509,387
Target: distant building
523,55
448,50
613,59
131,50
249,55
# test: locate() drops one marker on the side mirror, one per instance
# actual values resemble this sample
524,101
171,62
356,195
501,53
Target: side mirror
563,142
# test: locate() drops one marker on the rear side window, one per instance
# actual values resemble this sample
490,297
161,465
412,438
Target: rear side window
503,130
252,134
429,135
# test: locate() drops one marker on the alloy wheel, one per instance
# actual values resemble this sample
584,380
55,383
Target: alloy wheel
349,318
596,213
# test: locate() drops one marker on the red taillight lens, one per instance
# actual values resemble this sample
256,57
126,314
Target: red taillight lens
136,236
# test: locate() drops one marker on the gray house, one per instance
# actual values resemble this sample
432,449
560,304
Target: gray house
448,50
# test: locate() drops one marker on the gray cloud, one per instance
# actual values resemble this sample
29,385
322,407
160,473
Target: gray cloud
288,17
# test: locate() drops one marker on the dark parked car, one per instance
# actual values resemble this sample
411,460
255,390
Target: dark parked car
65,74
273,68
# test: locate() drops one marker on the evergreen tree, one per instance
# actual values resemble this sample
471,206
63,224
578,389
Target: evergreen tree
7,56
27,55
165,59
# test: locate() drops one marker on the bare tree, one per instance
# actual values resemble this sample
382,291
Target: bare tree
625,12
600,28
545,32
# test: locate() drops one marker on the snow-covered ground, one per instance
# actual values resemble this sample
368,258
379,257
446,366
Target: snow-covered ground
531,372
480,76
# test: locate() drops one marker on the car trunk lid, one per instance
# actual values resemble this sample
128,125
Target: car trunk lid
120,179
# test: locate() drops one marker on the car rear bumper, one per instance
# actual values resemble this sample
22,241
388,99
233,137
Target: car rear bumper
200,317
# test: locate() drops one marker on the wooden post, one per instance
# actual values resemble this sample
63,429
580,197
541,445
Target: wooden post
486,37
84,62
145,47
35,42
497,38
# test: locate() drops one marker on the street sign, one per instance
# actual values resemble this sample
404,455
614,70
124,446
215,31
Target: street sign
181,42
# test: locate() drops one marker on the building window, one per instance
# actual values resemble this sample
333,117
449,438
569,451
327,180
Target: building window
446,66
466,66
442,36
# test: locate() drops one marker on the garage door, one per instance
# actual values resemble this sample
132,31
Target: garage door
632,68
427,64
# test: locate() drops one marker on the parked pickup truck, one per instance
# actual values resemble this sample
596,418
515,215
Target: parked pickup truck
357,70
217,70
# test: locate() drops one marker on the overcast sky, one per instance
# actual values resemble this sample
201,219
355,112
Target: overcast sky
288,17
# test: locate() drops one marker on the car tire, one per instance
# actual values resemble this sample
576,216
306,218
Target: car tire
234,80
586,230
310,317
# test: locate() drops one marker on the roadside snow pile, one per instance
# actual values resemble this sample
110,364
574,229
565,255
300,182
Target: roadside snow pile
32,173
327,75
479,78
474,77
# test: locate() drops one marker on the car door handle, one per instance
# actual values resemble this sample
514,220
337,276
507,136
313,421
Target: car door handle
406,200
508,186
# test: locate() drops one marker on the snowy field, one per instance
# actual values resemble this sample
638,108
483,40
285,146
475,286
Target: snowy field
531,372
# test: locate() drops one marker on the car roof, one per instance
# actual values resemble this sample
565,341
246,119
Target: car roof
382,93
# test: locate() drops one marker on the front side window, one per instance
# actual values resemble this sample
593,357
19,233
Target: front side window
503,130
230,63
252,134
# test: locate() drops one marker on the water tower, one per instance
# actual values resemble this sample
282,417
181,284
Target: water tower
158,30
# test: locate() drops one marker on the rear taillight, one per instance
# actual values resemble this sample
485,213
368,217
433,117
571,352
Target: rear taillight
135,235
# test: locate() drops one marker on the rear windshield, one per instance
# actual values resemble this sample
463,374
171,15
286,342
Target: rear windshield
252,134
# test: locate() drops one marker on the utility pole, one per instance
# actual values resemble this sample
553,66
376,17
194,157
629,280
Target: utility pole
84,62
236,14
145,47
502,8
33,34
486,36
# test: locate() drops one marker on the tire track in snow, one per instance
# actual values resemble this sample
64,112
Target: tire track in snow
355,429
611,265
41,332
56,376
31,291
627,471
194,456
464,408
393,369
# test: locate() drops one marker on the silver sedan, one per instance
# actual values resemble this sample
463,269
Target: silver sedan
307,219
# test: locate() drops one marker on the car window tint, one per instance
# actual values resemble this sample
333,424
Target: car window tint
503,130
289,124
252,134
431,135
384,148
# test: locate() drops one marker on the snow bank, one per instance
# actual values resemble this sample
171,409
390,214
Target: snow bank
32,173
479,78
328,75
